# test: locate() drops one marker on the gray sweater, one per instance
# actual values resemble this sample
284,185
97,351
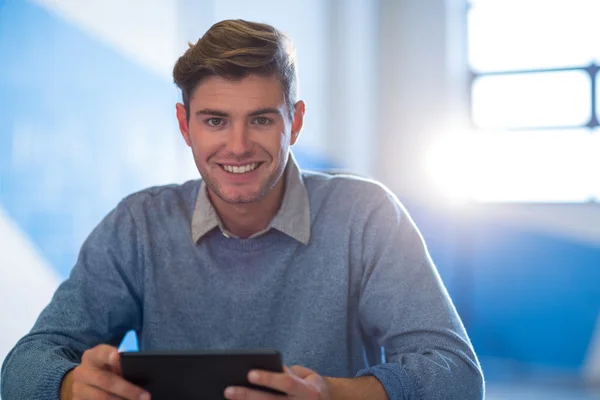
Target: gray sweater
364,281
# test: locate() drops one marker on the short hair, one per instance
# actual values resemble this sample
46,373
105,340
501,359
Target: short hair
235,49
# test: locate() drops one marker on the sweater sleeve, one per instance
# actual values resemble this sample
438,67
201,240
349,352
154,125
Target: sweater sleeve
405,308
98,303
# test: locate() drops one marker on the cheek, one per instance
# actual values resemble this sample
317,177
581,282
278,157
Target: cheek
284,144
204,144
274,143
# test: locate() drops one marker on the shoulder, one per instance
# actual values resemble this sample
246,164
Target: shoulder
165,197
345,188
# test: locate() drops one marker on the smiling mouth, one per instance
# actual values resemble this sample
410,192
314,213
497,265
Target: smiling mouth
240,169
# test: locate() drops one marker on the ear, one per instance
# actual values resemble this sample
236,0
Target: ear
183,123
299,109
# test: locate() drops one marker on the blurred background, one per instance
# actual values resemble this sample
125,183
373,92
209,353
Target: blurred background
481,116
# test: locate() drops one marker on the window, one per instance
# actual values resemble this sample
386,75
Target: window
534,106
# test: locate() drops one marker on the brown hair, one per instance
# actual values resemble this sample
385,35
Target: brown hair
234,49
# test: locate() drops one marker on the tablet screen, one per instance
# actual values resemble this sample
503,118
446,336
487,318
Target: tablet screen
196,375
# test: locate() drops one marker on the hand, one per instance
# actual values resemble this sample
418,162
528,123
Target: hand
298,382
99,377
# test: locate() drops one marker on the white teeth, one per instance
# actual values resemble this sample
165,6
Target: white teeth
234,169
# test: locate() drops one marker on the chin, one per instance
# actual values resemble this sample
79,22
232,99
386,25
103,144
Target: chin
240,197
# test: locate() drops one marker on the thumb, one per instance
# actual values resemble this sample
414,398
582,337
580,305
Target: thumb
103,357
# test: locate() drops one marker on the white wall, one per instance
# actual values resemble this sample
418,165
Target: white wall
352,126
421,81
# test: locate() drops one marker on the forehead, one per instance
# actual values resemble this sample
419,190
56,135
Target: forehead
250,92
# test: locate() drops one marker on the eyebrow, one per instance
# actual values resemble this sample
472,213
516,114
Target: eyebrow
207,111
260,111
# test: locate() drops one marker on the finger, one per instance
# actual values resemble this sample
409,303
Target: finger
283,382
301,372
85,392
242,393
110,383
102,356
116,363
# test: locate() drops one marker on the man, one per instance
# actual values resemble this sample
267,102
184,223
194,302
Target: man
327,269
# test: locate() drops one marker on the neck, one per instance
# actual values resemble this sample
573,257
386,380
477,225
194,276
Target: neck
244,220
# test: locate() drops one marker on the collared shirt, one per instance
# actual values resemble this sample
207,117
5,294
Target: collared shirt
292,218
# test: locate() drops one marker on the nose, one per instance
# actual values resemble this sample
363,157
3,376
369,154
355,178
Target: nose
238,142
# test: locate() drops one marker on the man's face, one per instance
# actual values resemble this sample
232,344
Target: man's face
240,134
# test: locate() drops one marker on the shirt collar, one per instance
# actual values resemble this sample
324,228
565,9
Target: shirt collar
293,217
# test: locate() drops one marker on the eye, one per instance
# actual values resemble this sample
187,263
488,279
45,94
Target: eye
215,121
262,121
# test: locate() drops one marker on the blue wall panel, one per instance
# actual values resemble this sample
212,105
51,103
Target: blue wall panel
527,297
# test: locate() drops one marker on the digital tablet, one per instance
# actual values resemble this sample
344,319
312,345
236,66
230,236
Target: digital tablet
196,375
